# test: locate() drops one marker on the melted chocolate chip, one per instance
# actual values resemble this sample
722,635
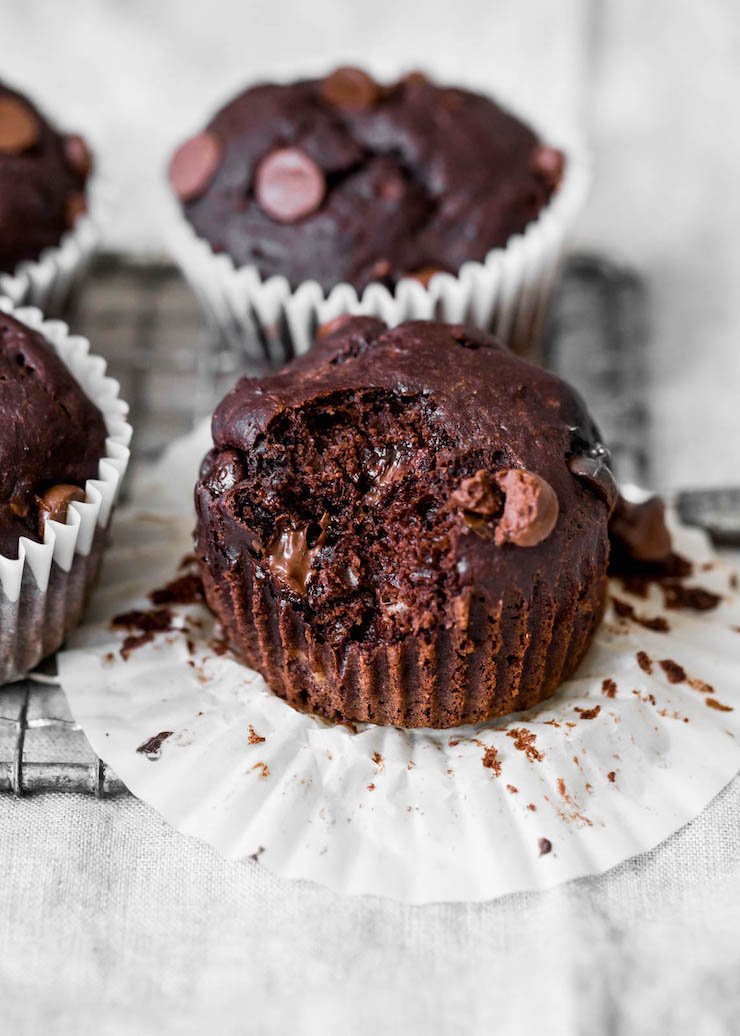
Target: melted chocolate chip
19,127
593,471
350,88
193,165
530,508
289,185
54,503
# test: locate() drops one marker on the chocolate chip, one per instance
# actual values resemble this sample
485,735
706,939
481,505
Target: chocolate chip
226,472
78,154
19,127
54,503
350,88
193,164
548,163
530,508
639,530
425,274
289,185
75,206
594,471
477,495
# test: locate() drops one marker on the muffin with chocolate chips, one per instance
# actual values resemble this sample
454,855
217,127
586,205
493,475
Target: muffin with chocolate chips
43,194
346,181
54,439
406,526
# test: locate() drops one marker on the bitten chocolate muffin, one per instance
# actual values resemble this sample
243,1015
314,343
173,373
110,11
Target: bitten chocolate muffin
42,180
342,179
406,526
51,436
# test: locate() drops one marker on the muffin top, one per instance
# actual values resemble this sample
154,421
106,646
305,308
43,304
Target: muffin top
380,475
344,180
51,436
42,180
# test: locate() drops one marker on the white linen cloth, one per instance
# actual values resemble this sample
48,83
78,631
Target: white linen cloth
112,922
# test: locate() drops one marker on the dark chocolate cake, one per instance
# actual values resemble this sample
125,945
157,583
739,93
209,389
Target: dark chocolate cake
406,526
343,179
51,436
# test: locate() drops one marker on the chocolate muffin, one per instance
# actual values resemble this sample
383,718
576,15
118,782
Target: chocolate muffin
42,180
406,526
342,179
51,436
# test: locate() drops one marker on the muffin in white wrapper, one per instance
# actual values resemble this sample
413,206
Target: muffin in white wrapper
629,749
44,590
507,293
49,281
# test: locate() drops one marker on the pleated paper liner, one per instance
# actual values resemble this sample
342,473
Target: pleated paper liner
507,293
628,750
43,592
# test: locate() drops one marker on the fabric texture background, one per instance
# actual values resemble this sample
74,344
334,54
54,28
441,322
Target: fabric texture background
111,922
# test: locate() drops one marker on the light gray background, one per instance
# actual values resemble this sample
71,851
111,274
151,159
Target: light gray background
112,923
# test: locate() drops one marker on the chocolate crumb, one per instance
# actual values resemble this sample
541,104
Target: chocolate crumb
609,687
379,761
254,737
512,789
491,760
152,748
531,806
696,598
453,743
701,686
714,704
264,770
524,742
733,581
611,776
371,787
545,846
588,713
644,661
157,620
674,672
254,857
187,589
625,611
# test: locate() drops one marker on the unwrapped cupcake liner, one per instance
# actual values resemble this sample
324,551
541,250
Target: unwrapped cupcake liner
508,293
50,281
43,592
631,747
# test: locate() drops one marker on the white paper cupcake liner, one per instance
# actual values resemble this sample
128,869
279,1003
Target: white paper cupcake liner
43,591
627,751
49,281
508,293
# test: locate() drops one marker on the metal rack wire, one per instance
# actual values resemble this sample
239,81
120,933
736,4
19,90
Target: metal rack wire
144,320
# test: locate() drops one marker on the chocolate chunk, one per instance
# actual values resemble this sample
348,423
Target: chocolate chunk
548,163
78,154
54,503
19,127
152,747
545,846
193,165
350,88
289,185
639,530
594,472
530,508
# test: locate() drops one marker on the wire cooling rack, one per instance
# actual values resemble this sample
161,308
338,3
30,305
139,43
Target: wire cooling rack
144,320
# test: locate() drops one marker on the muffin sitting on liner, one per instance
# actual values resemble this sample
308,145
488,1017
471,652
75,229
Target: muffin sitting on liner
343,182
43,176
63,450
406,526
